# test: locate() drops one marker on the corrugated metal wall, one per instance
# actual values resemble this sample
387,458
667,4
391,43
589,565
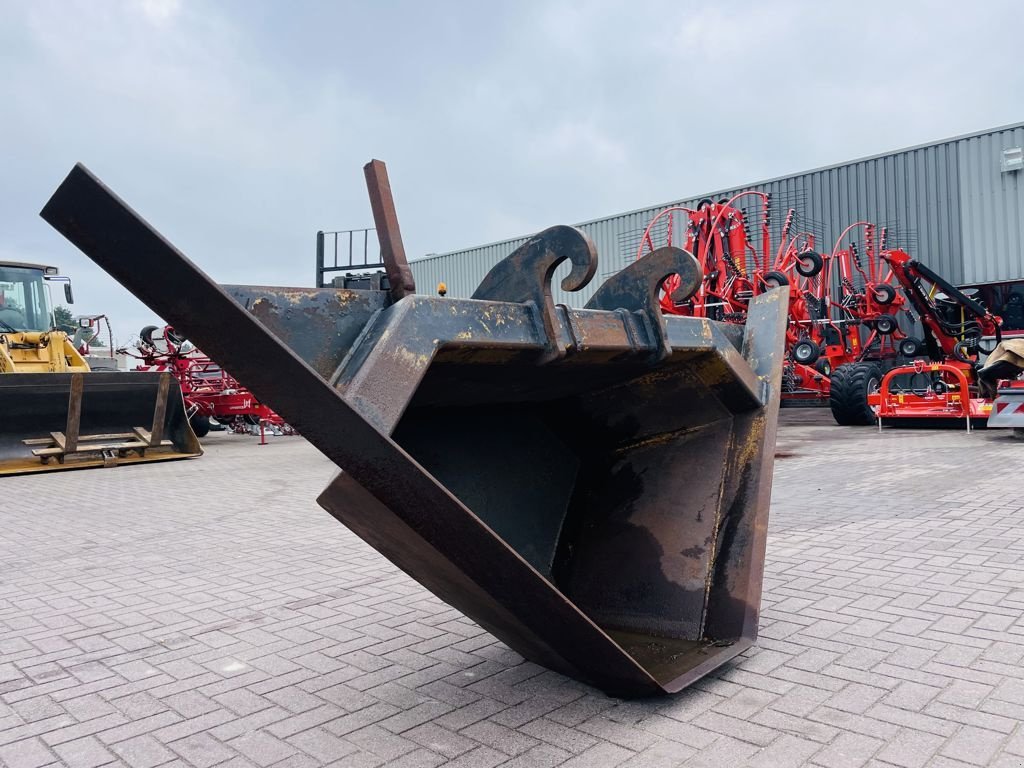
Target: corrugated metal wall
992,208
948,203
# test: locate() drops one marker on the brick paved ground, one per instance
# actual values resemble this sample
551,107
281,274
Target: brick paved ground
209,613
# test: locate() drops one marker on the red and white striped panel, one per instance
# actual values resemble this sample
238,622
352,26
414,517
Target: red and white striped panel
1008,411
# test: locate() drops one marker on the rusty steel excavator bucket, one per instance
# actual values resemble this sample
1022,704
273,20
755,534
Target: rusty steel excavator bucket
590,485
54,421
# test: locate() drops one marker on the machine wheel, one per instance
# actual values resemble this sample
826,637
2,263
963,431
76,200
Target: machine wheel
909,347
146,334
200,424
884,293
886,324
824,367
848,394
775,279
809,263
806,351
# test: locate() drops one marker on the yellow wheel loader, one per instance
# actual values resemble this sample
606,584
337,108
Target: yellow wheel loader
55,413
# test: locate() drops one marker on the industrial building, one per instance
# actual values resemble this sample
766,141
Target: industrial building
957,205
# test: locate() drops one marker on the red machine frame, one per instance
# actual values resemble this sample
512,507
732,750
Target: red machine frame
823,333
208,390
953,347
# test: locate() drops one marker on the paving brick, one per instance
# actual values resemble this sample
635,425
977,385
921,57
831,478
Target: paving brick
201,750
440,740
540,756
787,751
322,745
83,753
381,742
294,699
910,749
30,753
849,750
142,752
665,754
499,737
419,758
481,757
38,708
360,719
725,751
87,707
855,698
600,756
909,695
242,702
262,748
560,736
735,728
976,746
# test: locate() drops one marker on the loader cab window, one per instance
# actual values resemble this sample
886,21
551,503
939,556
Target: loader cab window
24,304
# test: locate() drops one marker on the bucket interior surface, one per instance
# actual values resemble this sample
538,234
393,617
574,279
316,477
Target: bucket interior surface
610,483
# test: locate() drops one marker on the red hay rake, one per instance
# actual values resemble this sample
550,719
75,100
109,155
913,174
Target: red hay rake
209,391
844,305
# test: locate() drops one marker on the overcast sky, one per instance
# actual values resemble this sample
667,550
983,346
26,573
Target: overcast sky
240,128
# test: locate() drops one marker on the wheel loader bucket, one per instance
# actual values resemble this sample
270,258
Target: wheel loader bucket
56,421
590,485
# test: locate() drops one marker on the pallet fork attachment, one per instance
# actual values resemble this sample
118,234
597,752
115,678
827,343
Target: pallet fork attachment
79,420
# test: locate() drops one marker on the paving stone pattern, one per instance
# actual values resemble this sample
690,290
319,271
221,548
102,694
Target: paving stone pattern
208,613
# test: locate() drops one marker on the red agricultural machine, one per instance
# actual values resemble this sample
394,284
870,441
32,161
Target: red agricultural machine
209,391
948,381
843,308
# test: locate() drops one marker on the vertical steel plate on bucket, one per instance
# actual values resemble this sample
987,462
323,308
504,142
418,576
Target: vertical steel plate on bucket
590,485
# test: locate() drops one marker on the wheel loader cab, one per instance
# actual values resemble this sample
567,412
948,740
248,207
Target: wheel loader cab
29,340
24,297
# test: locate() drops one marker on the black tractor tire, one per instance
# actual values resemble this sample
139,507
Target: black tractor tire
848,393
884,293
809,263
200,424
824,367
775,279
146,334
910,347
886,325
806,352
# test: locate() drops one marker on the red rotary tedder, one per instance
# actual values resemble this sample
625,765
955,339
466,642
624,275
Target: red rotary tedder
736,267
850,315
842,308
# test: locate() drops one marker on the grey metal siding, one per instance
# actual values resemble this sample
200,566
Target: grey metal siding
947,203
992,203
